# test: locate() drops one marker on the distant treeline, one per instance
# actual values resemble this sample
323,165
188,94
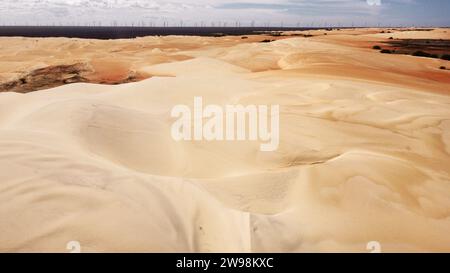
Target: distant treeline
131,32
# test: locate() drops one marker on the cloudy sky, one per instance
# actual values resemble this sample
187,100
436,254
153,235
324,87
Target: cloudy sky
208,12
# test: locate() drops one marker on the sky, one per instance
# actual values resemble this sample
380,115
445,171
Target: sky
226,12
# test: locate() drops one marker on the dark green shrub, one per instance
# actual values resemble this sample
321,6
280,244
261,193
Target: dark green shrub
424,54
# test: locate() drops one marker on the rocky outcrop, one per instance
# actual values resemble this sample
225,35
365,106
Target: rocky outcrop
57,75
47,77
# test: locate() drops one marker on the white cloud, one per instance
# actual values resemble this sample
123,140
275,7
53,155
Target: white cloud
157,11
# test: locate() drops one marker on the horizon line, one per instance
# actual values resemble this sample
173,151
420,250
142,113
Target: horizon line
232,26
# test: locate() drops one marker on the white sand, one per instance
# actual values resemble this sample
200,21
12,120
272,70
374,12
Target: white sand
364,155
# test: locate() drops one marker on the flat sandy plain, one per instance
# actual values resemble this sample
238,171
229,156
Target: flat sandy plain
364,149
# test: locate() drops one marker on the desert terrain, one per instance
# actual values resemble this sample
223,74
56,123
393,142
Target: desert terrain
86,153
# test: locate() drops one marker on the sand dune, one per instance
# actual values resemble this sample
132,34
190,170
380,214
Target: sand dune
364,150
